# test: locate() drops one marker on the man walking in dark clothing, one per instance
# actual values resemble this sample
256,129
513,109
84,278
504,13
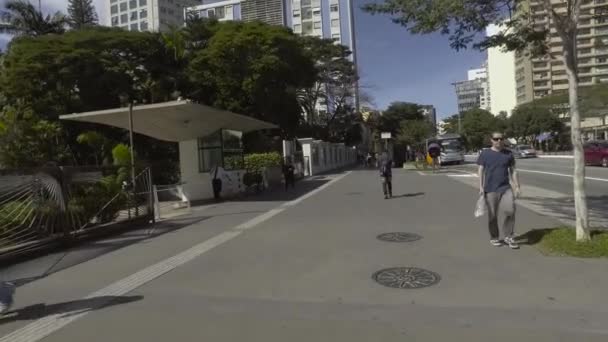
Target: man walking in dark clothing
499,183
386,174
289,174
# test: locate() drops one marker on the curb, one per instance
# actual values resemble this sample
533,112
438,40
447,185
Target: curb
555,156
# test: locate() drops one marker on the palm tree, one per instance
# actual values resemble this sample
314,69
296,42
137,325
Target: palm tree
22,18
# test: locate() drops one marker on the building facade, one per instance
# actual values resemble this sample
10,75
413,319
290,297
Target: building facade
219,9
501,77
147,15
269,11
539,77
475,91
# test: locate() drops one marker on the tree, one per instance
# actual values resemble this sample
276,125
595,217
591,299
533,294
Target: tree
26,140
413,132
464,20
334,88
529,121
391,118
253,69
477,125
22,18
81,14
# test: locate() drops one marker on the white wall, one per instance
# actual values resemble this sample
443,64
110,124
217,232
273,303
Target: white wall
197,185
501,76
331,156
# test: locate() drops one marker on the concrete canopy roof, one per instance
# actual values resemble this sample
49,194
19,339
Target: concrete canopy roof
172,121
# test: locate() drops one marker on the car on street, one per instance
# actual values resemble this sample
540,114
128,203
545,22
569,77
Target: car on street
523,151
596,153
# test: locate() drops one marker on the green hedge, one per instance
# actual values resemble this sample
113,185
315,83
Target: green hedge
255,163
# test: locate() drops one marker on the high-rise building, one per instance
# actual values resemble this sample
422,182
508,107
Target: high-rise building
539,77
219,9
269,11
501,76
147,15
475,91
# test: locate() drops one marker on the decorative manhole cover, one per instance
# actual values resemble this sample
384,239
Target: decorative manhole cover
406,277
399,237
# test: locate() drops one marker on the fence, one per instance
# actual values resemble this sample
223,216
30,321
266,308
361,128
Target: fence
39,207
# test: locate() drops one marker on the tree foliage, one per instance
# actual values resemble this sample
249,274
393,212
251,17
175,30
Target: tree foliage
391,118
24,19
254,69
81,14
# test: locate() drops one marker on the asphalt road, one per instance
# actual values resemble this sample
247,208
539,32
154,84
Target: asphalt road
556,174
300,268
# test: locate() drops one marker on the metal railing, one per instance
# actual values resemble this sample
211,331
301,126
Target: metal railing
38,207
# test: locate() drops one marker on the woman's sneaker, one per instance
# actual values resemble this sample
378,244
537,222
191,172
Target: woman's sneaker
496,242
511,243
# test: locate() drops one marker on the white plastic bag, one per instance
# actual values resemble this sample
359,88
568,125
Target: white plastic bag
480,207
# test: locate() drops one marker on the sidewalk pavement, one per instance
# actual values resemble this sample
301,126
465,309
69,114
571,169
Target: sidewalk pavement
301,271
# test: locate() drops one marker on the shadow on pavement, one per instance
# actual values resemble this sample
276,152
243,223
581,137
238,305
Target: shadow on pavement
38,311
409,195
563,208
279,194
75,255
533,237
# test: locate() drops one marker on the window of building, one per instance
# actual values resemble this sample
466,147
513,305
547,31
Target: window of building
133,15
218,13
584,51
170,11
306,13
297,28
335,37
316,12
296,13
134,27
143,13
335,23
558,82
113,1
123,6
307,28
584,31
601,59
132,4
114,21
333,8
306,3
222,148
143,2
114,9
143,26
601,30
164,10
317,25
124,18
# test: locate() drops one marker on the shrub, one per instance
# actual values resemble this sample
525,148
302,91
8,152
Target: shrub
255,163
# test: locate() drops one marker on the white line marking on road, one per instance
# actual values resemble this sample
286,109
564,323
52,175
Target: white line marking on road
43,327
464,175
421,173
561,175
316,191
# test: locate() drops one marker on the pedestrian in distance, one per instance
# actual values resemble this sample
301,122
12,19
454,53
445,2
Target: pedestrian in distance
499,184
386,174
289,174
434,152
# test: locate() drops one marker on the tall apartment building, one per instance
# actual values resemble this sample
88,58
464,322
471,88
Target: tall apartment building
147,15
501,76
475,91
331,19
539,77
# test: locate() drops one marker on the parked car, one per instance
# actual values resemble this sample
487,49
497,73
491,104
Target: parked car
523,151
596,153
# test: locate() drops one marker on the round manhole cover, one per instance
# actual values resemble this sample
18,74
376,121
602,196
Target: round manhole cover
399,237
406,277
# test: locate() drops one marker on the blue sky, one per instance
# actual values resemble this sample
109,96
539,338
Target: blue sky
397,66
394,65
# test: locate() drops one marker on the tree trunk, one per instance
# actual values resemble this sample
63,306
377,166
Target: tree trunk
580,196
